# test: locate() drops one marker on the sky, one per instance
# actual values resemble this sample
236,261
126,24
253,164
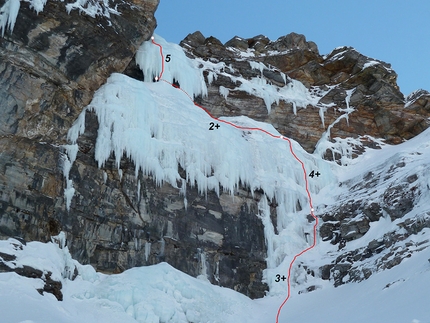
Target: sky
394,31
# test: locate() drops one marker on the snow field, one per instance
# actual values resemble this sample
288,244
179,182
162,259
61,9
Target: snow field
162,294
371,300
151,294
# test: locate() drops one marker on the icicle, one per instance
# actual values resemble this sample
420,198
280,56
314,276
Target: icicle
60,239
224,91
257,66
68,159
162,247
71,152
169,232
216,274
8,14
137,245
147,250
284,77
201,256
348,110
204,268
69,192
77,128
211,77
179,67
321,113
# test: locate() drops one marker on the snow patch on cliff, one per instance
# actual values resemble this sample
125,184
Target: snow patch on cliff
257,66
343,148
294,92
46,257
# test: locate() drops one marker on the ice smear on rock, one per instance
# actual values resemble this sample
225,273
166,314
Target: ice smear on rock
67,161
92,8
341,147
224,91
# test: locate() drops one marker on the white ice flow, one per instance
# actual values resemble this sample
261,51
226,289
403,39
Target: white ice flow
177,67
162,131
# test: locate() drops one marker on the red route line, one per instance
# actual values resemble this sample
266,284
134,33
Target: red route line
162,58
292,152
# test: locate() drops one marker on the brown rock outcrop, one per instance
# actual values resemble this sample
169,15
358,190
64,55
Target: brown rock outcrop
379,105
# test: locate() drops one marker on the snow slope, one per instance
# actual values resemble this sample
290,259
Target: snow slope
161,293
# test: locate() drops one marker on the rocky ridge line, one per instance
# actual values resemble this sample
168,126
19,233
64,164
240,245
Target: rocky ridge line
380,109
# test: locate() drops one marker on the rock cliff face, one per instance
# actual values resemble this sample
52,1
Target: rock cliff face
379,105
345,79
50,67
